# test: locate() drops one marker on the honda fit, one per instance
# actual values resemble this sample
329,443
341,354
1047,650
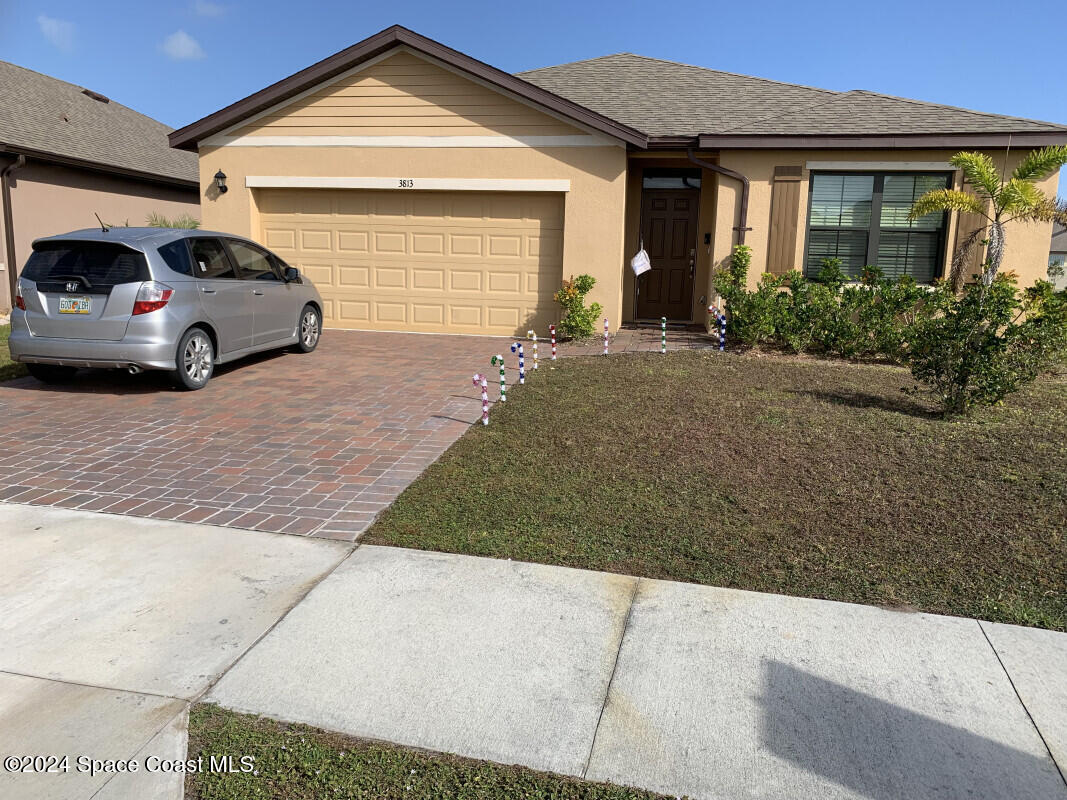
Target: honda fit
152,298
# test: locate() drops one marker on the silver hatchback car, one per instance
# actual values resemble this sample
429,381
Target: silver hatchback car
155,298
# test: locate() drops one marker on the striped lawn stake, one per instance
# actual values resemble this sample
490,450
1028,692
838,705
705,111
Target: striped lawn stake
663,334
722,325
605,337
517,348
552,332
495,361
480,380
533,335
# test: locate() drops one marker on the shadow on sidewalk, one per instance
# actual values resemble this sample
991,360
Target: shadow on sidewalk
885,752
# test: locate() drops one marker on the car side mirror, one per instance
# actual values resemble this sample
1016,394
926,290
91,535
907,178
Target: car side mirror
292,275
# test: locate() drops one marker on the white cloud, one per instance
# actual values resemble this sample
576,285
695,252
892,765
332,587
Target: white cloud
205,8
58,32
182,47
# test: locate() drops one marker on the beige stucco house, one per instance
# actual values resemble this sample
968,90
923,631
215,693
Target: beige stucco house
68,153
423,190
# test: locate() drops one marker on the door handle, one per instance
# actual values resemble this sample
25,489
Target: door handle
257,292
206,290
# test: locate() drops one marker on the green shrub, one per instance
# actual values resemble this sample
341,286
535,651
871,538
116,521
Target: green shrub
579,321
988,343
750,315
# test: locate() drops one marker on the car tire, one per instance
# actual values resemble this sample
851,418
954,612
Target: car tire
195,359
309,329
51,373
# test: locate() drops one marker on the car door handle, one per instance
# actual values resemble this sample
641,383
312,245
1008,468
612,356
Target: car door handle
257,292
206,290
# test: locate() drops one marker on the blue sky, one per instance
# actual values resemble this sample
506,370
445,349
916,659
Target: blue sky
178,61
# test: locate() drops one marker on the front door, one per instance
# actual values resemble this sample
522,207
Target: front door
668,229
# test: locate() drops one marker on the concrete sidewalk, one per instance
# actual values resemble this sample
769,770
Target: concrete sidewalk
683,689
110,626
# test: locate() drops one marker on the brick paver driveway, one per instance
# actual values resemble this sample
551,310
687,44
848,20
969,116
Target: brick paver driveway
305,444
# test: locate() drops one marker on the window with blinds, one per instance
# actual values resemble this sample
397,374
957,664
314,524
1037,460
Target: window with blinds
862,218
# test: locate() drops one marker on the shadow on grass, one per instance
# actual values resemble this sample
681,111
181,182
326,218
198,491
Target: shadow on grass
854,399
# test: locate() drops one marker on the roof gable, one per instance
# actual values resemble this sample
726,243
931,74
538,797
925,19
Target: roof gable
44,116
330,68
400,94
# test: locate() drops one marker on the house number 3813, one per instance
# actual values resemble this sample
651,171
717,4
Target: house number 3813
407,183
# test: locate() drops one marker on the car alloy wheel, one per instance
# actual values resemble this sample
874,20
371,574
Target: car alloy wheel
309,328
198,358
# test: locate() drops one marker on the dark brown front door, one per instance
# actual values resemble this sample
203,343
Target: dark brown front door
669,229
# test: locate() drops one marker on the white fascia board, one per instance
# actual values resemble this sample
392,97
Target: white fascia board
579,140
407,184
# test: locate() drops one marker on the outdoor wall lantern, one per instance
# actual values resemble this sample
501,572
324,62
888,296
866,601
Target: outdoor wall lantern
220,182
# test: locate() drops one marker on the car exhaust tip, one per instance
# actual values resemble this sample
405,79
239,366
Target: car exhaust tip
134,369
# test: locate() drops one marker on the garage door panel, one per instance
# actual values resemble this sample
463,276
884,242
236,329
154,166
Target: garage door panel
316,241
350,277
388,312
279,238
353,241
461,262
390,278
319,274
428,279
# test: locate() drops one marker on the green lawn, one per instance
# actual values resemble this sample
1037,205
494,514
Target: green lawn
8,368
295,762
802,477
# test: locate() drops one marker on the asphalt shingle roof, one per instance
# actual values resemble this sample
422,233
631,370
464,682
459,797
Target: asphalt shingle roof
664,98
38,112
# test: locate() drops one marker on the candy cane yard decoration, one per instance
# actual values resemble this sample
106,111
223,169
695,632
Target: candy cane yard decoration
605,337
495,361
663,334
722,325
480,380
552,333
517,348
533,335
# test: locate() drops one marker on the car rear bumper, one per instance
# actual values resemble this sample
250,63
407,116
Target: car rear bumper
89,352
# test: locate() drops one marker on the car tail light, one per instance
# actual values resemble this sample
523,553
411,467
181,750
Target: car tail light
19,302
152,296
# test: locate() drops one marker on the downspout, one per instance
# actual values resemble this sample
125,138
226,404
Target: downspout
742,221
9,231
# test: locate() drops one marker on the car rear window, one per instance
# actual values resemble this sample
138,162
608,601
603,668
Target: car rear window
96,266
176,254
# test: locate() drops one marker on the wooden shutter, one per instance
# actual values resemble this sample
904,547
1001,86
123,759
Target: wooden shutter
785,208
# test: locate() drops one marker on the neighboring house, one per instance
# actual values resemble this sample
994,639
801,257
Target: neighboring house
1057,254
67,153
424,190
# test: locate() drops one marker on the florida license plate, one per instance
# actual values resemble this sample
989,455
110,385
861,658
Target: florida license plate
74,305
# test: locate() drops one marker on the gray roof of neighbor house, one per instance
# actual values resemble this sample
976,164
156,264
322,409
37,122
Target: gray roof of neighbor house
1059,239
664,98
43,116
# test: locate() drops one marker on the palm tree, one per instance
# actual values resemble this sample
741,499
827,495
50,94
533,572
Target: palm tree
997,200
155,220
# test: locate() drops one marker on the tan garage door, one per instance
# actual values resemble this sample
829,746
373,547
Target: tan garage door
461,262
